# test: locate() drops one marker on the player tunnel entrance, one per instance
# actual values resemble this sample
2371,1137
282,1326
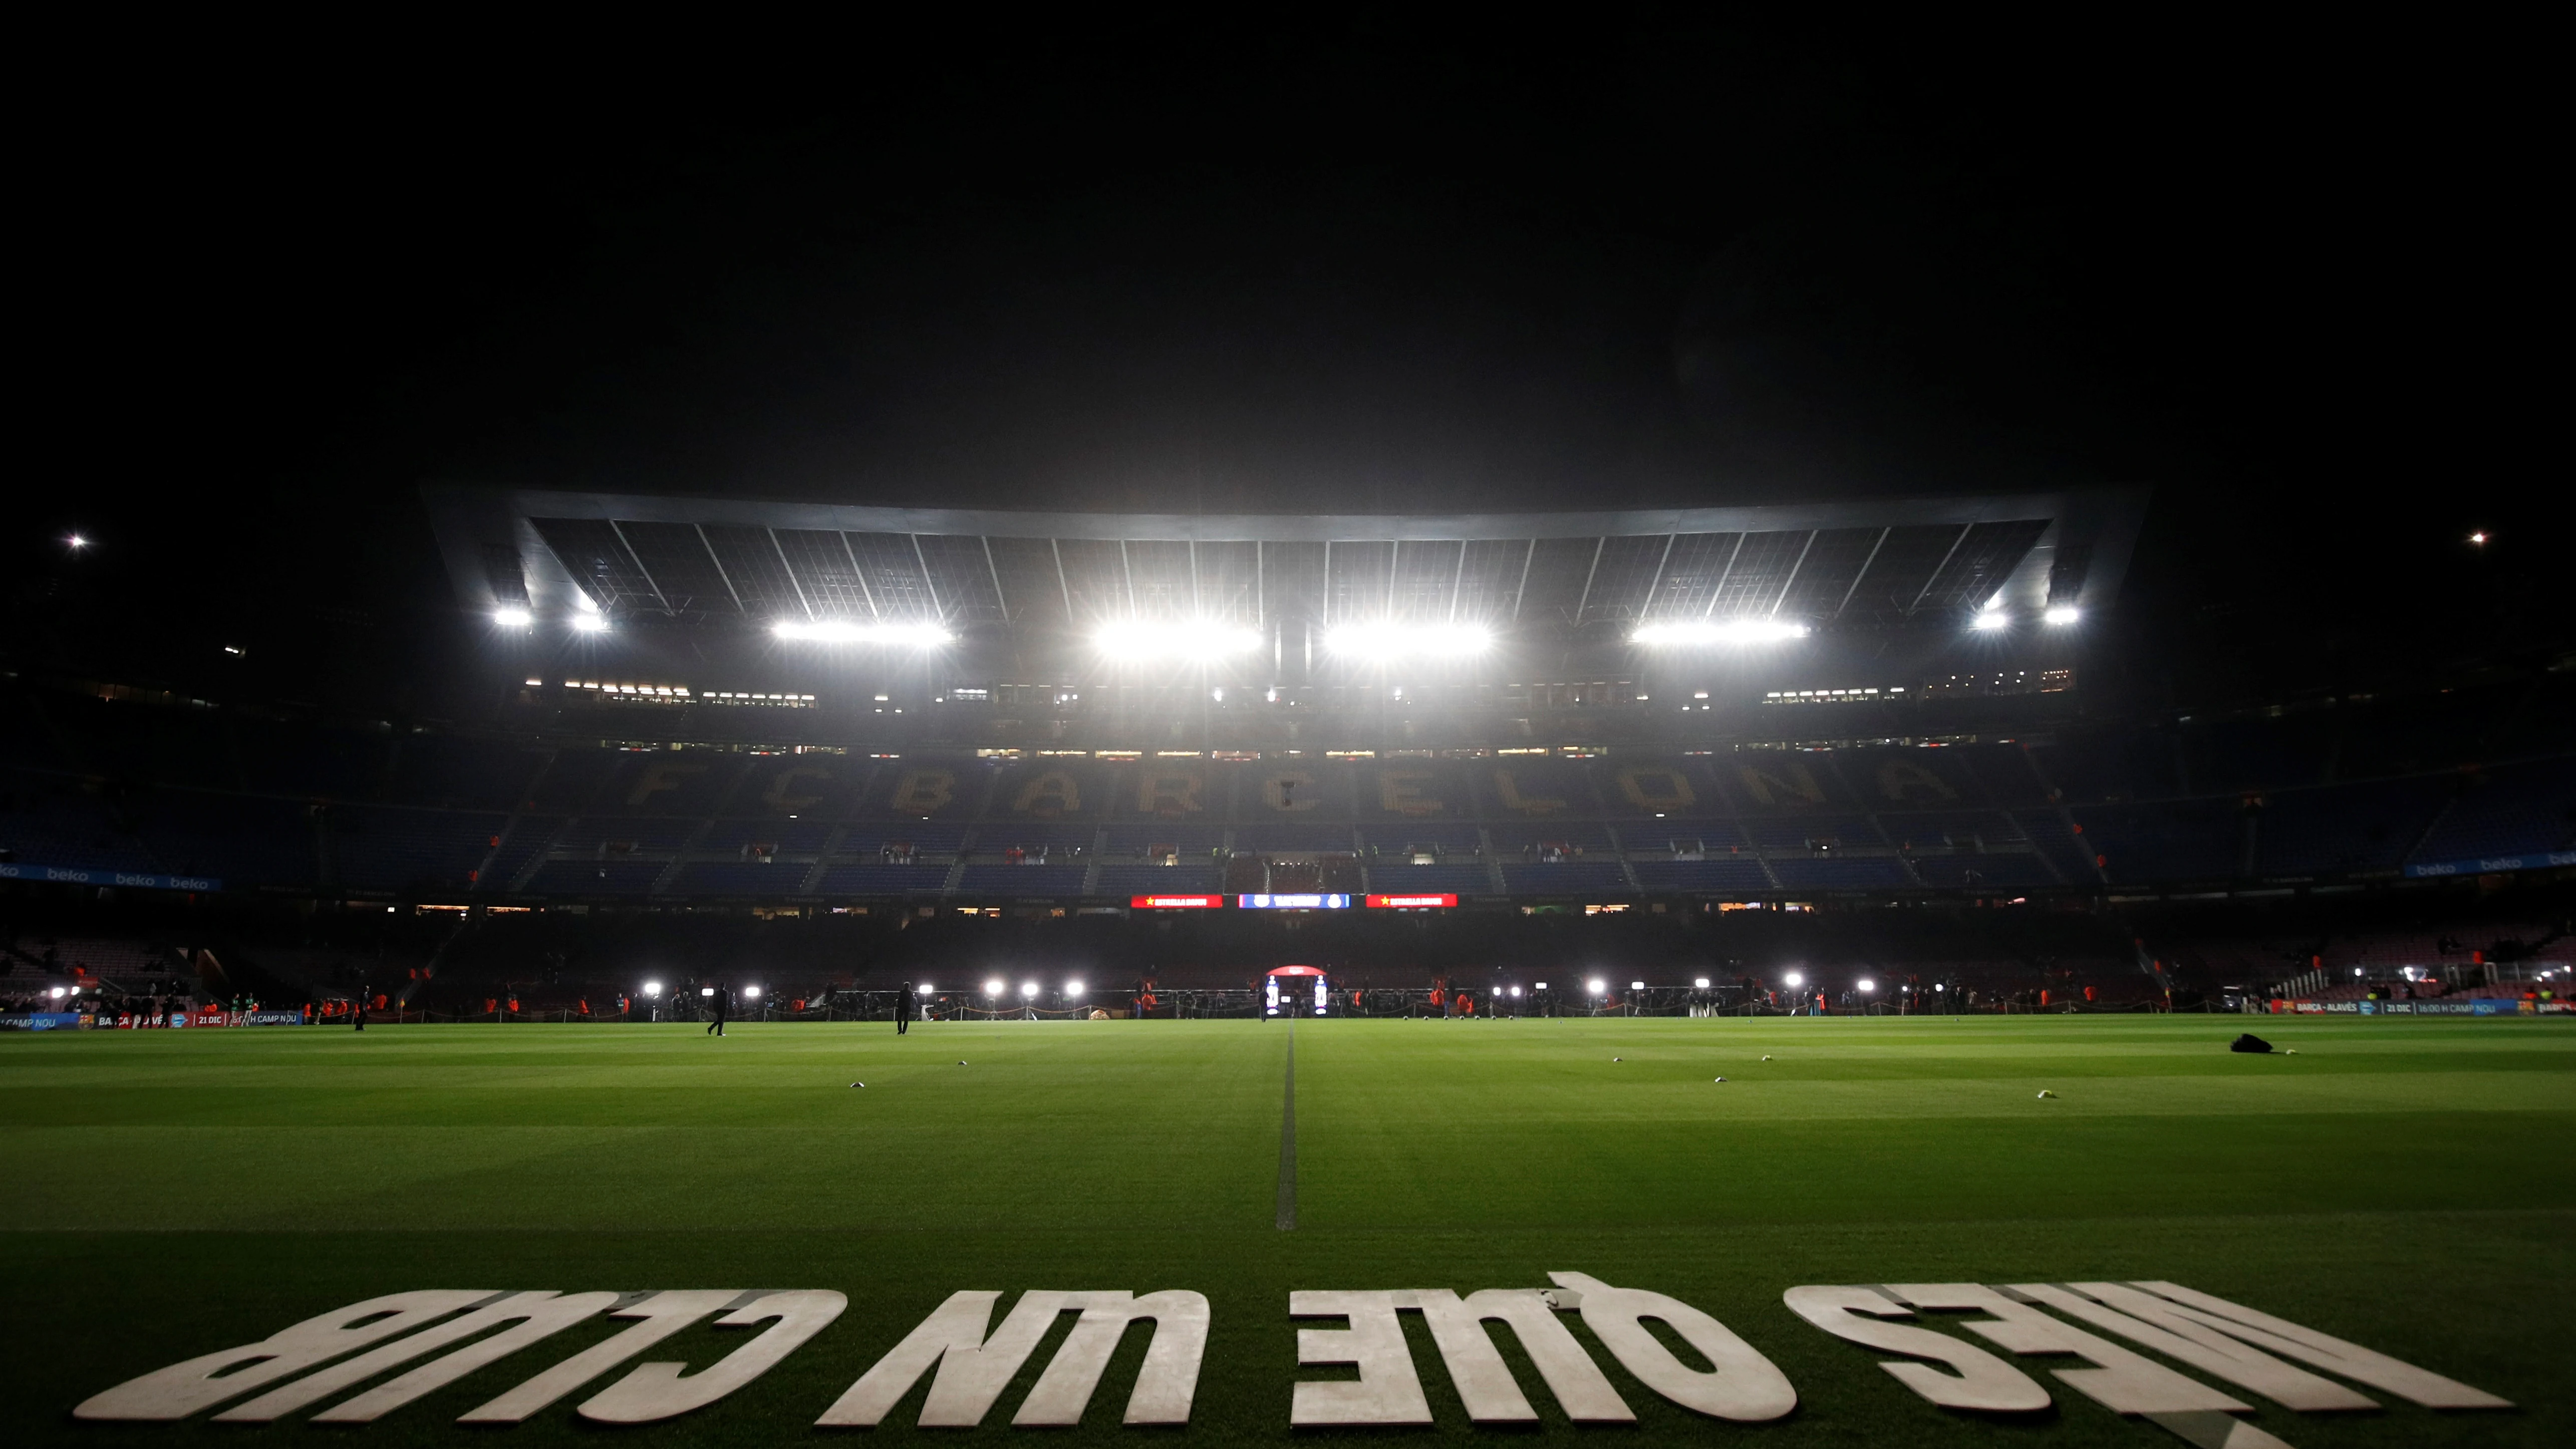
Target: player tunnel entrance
1295,991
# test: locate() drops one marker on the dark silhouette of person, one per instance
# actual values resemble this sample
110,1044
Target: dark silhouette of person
903,1011
358,1018
722,999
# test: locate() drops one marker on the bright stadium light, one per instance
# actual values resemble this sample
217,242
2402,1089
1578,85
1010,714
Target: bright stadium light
1699,983
56,993
2061,614
1868,985
706,991
751,993
1732,631
652,988
1598,986
1175,639
513,618
1516,991
590,623
1794,979
76,543
1636,985
1073,988
1029,989
918,634
993,987
1990,619
1400,641
922,990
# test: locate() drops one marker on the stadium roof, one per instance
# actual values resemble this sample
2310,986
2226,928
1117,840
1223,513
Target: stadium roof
749,562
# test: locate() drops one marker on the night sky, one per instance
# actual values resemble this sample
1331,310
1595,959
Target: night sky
2293,280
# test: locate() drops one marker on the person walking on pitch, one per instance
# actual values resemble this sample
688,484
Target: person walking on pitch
722,997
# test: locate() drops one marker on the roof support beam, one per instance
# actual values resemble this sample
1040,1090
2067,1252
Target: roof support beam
640,566
1457,580
700,530
928,585
1057,549
1589,575
1935,576
1864,571
1786,584
1723,574
866,594
1001,604
1661,562
784,567
1528,556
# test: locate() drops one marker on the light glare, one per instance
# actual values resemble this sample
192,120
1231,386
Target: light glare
918,635
1794,979
513,618
2061,614
1703,631
1990,619
1396,641
1174,639
993,987
590,623
1597,985
652,988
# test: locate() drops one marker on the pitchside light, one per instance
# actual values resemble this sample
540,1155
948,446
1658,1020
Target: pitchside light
1175,639
1597,986
1990,619
1733,631
1073,988
917,635
751,993
1868,985
1794,979
1699,983
993,988
1636,985
590,622
2061,614
922,990
513,618
1402,641
706,991
1029,989
652,988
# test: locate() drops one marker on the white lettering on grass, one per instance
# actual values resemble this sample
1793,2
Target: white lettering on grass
2148,1322
184,1388
537,1320
1741,1385
1484,1382
321,1384
661,1391
974,1368
664,1314
2121,1381
1387,1391
2322,1350
1978,1380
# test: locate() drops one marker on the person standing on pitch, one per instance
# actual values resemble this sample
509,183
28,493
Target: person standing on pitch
358,1018
903,1011
723,996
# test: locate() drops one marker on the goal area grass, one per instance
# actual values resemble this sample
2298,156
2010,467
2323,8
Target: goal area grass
2405,1184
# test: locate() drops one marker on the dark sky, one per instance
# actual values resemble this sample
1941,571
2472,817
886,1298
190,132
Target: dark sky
2292,279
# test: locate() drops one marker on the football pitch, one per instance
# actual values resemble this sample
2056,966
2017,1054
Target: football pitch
2406,1185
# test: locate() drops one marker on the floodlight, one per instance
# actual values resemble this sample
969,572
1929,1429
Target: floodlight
1516,991
1073,988
76,542
1636,985
1028,988
1699,983
56,993
590,623
751,993
993,987
2061,614
706,991
922,990
584,602
1597,985
1394,641
1542,986
652,988
1175,639
1794,979
2479,537
918,634
1868,985
1704,631
1990,619
513,618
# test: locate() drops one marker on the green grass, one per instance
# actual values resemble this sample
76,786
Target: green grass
2405,1184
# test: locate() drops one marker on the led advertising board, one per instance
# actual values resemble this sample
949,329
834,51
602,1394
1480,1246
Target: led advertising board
1333,902
1174,903
1410,903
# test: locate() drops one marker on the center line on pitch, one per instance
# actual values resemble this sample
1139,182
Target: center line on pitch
1288,1140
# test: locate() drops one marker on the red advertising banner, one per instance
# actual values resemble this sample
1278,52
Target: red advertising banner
1174,903
1411,903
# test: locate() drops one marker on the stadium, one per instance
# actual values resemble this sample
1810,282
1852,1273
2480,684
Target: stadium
1821,951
